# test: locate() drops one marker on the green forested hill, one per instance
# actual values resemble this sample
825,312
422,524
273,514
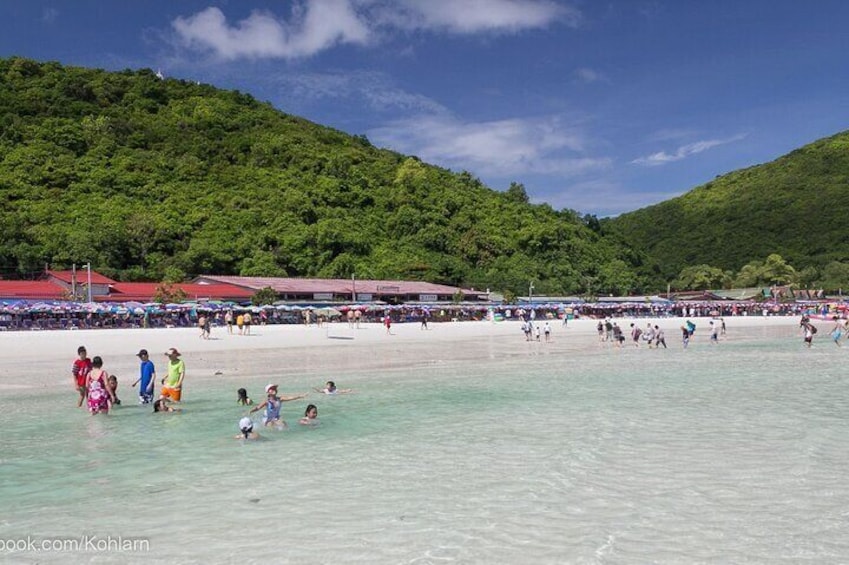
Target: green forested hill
796,206
152,179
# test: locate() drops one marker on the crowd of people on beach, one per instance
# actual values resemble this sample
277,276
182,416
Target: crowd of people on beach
610,332
98,390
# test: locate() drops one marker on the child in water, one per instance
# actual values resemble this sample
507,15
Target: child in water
246,427
112,385
161,405
310,416
330,388
272,406
243,397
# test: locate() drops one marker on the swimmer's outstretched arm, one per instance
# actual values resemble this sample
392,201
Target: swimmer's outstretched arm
296,397
258,407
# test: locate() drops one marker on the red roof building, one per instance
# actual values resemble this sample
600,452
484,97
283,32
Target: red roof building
144,292
348,289
32,290
76,282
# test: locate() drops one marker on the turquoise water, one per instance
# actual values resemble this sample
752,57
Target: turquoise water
521,453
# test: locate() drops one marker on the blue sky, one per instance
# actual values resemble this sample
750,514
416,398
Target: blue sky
599,106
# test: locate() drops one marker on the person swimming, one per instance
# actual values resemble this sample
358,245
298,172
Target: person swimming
246,427
161,405
330,388
310,416
243,397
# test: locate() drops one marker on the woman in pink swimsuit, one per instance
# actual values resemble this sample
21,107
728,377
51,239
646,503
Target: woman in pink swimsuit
99,395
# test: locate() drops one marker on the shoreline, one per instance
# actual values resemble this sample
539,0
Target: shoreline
283,351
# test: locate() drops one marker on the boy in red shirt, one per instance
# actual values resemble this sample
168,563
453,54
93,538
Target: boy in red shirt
80,371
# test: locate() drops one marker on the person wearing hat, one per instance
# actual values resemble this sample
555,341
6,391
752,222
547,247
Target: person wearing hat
147,377
246,426
272,405
172,384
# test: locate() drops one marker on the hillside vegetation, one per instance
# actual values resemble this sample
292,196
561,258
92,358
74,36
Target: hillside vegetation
153,179
795,206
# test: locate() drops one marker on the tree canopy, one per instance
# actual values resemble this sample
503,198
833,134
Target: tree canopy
151,179
794,206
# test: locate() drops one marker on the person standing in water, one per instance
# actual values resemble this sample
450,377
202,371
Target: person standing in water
173,382
79,371
99,396
147,377
272,405
837,331
659,337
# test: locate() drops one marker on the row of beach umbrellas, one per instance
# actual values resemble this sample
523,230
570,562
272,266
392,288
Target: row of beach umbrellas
139,308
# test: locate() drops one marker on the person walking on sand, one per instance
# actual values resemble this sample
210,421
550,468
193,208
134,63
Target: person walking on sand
173,382
79,372
228,319
546,329
147,377
248,320
387,321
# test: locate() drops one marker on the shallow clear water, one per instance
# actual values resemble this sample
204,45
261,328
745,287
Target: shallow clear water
524,453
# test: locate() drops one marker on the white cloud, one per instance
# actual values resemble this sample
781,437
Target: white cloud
589,76
375,88
671,134
317,25
496,148
474,16
49,15
684,151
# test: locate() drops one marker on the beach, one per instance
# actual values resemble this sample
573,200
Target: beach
462,443
288,350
